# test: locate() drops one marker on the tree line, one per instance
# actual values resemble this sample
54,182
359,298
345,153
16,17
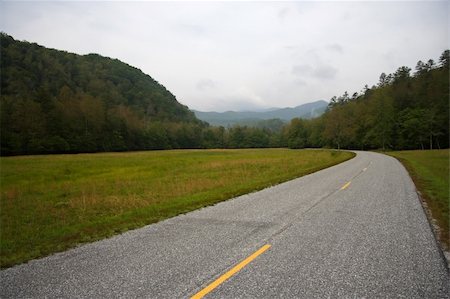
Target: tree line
403,111
57,102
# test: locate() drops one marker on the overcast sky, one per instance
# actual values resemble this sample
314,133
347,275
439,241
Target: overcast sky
243,55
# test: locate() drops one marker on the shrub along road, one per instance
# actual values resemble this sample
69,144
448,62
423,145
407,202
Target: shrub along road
353,230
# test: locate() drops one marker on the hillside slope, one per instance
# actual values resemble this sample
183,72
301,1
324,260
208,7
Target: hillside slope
403,111
54,101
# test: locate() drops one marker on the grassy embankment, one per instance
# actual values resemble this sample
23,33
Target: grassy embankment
430,171
51,203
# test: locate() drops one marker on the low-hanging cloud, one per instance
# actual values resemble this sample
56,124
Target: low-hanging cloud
326,72
205,84
302,70
335,48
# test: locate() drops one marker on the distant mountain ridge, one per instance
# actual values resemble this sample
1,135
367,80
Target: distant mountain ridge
230,118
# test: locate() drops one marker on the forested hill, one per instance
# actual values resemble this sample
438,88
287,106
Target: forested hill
403,111
54,101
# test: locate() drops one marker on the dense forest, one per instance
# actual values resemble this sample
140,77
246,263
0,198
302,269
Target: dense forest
57,102
54,102
402,111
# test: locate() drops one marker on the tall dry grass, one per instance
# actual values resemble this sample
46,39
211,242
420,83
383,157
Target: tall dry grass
50,203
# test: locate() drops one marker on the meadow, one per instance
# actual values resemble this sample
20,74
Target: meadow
430,171
54,202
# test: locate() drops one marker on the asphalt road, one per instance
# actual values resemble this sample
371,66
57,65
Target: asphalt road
350,231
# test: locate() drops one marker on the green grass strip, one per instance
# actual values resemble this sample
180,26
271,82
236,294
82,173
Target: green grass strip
430,171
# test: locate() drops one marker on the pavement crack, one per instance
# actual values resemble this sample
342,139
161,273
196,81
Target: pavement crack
296,218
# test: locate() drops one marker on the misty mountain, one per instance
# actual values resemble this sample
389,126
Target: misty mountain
250,118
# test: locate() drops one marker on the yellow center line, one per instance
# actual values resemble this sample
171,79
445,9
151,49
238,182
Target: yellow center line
346,185
230,273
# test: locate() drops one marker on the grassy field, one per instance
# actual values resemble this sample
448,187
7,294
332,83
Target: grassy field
430,172
51,203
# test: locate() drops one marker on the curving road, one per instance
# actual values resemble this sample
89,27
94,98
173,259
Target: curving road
353,230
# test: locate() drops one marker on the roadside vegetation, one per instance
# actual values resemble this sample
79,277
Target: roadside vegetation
51,203
430,172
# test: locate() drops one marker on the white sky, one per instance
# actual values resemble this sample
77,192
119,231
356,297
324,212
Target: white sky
242,55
